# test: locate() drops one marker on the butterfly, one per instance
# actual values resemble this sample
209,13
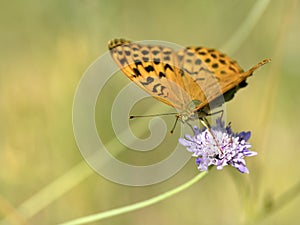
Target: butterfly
193,80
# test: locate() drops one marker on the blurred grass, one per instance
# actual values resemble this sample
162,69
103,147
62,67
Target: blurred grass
45,48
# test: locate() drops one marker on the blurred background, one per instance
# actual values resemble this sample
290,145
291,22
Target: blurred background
47,45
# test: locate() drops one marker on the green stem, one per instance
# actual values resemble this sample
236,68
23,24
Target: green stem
279,203
135,206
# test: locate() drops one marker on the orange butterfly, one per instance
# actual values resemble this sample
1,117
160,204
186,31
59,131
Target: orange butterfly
193,80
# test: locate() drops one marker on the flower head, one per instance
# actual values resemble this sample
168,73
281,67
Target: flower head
219,146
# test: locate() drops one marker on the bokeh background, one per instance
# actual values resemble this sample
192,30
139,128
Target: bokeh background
47,45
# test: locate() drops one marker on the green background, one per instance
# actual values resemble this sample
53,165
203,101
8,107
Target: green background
45,47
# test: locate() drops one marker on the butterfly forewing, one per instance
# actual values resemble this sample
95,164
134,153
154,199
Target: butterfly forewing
156,70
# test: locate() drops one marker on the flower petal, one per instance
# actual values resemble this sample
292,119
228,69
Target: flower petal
219,146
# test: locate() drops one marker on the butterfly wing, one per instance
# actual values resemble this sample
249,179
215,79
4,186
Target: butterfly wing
194,66
156,70
218,76
179,77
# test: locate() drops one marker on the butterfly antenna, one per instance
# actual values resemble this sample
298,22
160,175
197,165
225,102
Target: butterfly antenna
151,115
190,126
174,126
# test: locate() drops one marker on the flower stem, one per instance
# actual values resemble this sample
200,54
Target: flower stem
135,206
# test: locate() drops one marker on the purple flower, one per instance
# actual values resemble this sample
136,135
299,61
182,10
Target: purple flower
222,148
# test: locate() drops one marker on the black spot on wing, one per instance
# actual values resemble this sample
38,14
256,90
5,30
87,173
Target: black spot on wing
222,61
181,72
155,52
190,72
215,65
199,79
167,66
136,72
162,91
149,68
198,61
202,53
167,52
205,70
145,52
213,55
232,69
180,57
161,74
159,89
123,61
167,58
138,62
145,59
155,87
156,61
148,81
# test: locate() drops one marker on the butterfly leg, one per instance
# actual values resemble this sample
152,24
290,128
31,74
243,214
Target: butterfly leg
214,113
186,122
151,115
190,125
160,114
206,124
174,126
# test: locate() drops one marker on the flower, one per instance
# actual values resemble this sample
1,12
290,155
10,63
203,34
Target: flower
218,146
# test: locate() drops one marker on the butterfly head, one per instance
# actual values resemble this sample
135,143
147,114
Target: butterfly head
190,112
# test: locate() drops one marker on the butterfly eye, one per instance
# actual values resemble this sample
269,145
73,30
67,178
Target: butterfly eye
184,117
193,104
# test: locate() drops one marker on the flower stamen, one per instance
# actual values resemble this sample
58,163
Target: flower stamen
218,146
